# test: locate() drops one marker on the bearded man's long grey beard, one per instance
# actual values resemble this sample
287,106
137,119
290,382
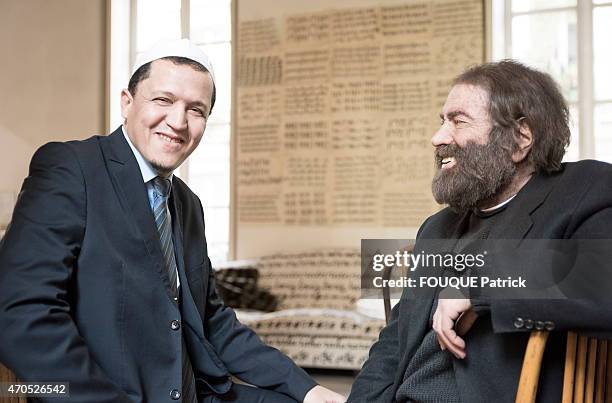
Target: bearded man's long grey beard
480,172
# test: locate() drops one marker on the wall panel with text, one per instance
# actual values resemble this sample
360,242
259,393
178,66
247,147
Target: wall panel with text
336,104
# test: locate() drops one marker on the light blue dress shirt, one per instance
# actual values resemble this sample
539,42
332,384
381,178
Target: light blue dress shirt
148,174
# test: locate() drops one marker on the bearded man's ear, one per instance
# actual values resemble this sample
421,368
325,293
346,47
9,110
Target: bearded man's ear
524,140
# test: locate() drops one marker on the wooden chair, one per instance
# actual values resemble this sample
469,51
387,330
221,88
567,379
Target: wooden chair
386,275
588,369
7,376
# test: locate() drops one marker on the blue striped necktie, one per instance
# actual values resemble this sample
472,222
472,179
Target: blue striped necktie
159,204
163,221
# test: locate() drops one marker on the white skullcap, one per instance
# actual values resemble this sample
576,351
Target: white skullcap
174,47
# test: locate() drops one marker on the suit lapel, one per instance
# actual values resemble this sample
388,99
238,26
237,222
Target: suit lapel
190,285
192,276
132,194
516,222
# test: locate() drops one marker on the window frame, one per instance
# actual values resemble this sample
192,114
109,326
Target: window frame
123,23
501,40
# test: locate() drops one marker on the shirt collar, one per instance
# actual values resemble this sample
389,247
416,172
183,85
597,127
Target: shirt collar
491,211
147,171
488,210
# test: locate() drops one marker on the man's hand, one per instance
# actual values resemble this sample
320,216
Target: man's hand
319,394
444,319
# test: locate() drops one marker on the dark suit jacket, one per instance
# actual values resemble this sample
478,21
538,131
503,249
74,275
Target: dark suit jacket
84,297
575,203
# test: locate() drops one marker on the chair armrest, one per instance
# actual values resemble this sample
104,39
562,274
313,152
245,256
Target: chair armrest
532,363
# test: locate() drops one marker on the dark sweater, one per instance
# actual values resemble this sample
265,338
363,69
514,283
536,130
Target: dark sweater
429,377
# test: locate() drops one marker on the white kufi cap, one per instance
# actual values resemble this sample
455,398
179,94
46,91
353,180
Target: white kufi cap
174,47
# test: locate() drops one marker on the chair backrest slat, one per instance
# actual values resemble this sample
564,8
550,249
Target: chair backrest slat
528,383
608,391
580,376
589,388
600,382
570,368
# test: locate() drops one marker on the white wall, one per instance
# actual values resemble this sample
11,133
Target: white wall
15,152
52,77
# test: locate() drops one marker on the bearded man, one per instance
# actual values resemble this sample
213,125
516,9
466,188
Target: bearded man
504,130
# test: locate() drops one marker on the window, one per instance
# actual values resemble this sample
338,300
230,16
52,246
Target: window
570,40
208,24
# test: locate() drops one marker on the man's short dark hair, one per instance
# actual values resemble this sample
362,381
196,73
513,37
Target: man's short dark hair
144,71
517,93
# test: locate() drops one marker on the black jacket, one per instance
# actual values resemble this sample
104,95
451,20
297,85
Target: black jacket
84,298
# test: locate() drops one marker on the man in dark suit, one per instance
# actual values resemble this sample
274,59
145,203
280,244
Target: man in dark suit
504,130
105,282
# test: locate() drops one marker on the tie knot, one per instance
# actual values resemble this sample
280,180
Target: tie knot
162,185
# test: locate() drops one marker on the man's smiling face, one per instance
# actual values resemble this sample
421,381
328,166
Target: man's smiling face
472,165
166,117
464,119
